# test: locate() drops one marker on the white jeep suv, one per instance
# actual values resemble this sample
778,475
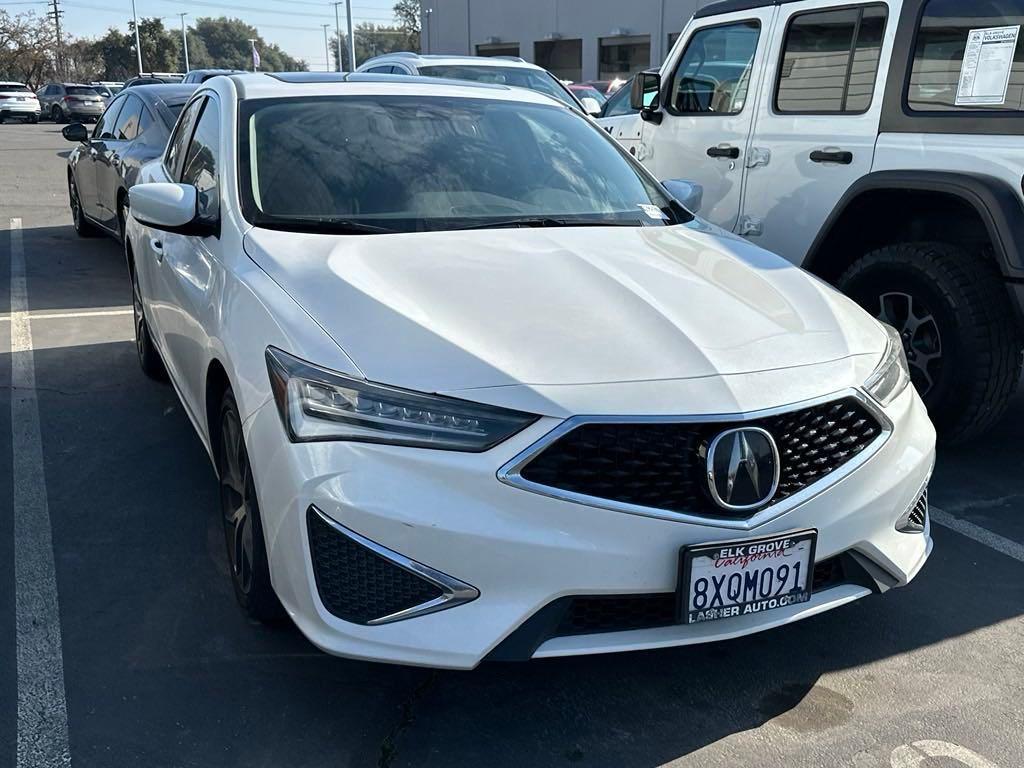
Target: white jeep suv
879,145
475,384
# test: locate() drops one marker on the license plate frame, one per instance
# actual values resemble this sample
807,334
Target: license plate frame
687,555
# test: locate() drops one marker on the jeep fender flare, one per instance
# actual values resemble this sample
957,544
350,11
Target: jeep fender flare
996,203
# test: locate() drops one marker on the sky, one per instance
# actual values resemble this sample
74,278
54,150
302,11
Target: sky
294,25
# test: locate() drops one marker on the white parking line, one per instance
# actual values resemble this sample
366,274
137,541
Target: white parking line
71,315
42,706
981,535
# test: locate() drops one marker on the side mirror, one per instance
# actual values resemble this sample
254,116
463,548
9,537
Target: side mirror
75,132
688,194
591,105
170,207
645,96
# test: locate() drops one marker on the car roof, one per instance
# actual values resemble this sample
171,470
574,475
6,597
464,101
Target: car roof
168,93
420,59
11,82
290,84
728,6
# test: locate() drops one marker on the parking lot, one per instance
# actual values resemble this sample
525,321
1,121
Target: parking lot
161,669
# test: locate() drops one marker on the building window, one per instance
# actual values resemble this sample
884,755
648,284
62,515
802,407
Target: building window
498,49
830,61
622,57
562,58
992,78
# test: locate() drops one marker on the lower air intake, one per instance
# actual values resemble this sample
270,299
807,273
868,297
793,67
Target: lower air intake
916,517
356,583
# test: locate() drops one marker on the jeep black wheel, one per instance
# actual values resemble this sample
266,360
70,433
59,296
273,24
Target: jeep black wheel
954,314
243,530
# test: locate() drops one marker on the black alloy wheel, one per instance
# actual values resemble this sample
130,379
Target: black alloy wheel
57,114
243,531
83,227
149,358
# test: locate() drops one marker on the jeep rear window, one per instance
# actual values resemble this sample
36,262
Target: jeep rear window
939,80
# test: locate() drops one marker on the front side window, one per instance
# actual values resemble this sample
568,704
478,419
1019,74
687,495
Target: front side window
201,160
713,75
520,77
830,61
410,163
969,56
619,105
175,157
105,125
127,126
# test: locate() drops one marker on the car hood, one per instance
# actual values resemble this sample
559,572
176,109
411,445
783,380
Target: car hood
446,311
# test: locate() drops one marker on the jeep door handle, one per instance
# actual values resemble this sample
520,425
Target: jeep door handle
732,153
826,156
158,249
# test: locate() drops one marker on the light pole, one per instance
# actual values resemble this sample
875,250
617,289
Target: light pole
351,37
184,40
138,45
426,16
255,53
327,48
337,32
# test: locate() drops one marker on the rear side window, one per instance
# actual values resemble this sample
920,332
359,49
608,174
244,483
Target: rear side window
968,56
175,157
830,61
105,125
713,75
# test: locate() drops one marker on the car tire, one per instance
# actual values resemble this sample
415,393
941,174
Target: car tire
149,357
243,529
954,312
57,114
34,119
83,227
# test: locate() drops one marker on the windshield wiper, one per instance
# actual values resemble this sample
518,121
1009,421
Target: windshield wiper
549,221
324,224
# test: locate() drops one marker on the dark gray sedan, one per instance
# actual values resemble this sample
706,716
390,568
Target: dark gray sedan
132,131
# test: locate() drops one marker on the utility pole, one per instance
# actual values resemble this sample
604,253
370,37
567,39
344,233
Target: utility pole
57,13
138,45
337,32
327,48
184,40
351,38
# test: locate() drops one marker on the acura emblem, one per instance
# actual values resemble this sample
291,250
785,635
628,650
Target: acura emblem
743,468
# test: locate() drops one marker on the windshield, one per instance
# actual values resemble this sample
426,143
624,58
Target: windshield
411,163
585,91
521,77
81,90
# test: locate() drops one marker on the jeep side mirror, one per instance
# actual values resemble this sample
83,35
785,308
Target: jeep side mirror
645,96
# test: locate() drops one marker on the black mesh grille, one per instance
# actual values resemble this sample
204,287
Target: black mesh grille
355,583
660,465
618,613
919,513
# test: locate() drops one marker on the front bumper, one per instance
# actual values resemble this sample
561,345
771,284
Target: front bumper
524,551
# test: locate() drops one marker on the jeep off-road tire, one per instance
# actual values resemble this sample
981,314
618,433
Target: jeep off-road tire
962,319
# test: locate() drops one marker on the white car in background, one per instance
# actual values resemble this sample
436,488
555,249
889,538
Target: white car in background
492,70
476,386
17,101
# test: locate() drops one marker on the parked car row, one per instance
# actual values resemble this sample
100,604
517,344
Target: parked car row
476,384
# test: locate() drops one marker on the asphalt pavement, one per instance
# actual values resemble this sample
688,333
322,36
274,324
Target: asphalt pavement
161,669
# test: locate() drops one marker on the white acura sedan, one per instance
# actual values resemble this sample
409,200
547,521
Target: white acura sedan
477,386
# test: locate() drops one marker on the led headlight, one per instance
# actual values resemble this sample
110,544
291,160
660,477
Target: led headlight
317,404
892,375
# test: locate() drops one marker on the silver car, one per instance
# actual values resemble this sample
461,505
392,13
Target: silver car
62,102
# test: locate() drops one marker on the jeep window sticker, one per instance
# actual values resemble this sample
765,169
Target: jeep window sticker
988,60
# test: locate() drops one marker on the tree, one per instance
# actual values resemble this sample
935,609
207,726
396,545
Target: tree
408,14
371,40
27,48
227,45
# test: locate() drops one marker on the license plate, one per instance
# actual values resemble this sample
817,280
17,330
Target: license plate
737,578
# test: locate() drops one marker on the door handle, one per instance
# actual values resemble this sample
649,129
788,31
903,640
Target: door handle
831,156
158,249
732,153
93,152
632,151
